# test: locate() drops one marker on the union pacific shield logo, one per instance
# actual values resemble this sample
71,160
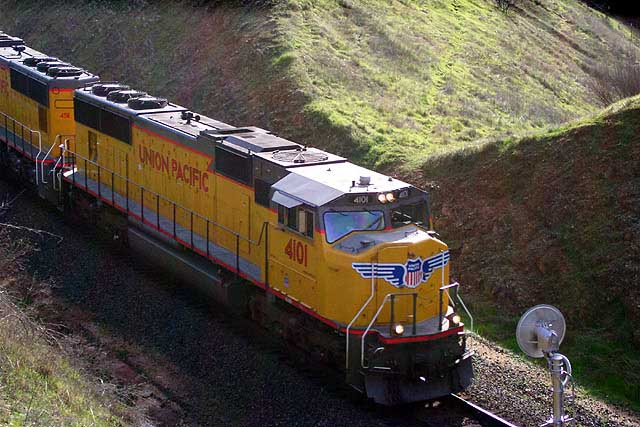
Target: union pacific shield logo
413,276
408,275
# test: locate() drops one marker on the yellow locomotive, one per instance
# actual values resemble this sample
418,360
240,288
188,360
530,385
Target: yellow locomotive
338,259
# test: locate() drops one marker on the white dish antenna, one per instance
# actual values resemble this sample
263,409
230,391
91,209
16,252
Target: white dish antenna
539,333
541,330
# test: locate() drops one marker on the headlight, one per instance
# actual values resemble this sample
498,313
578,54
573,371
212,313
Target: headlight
456,319
398,329
382,198
390,197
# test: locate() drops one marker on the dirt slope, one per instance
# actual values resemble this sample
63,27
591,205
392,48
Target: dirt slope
553,219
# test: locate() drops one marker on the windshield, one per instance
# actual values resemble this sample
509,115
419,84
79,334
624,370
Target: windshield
339,224
415,213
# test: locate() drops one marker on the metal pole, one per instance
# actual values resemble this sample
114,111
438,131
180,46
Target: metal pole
99,192
158,211
142,203
86,173
557,362
174,220
191,227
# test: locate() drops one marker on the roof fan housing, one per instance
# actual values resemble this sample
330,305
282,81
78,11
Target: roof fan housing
45,65
122,96
299,156
147,103
104,89
33,61
64,71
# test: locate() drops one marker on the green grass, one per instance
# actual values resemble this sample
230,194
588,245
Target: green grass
408,78
38,385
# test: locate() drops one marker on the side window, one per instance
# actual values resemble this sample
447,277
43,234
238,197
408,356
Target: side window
292,218
298,219
305,222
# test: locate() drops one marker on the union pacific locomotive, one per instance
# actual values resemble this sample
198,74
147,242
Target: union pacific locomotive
338,259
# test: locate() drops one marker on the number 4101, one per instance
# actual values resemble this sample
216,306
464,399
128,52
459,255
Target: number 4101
297,251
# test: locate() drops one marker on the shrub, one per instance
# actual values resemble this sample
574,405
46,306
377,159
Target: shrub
505,5
615,82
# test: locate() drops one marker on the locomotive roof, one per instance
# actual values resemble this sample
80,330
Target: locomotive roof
250,139
168,120
192,127
319,184
14,59
87,95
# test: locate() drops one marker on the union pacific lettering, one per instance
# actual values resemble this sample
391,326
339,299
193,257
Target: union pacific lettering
175,169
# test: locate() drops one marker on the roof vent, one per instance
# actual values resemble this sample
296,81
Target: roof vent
147,103
45,65
122,96
9,41
64,71
364,181
33,61
105,89
299,156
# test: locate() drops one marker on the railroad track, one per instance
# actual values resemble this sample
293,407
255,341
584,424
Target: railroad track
456,411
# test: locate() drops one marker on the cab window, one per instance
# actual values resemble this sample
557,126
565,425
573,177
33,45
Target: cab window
299,219
339,224
415,213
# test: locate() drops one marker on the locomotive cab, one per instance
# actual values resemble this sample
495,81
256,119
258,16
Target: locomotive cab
384,279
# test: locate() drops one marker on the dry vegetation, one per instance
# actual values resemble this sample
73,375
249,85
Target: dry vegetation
39,384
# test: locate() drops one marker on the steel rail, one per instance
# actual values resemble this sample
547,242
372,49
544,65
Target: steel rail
485,417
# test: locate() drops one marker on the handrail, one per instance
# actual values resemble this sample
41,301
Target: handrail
441,293
364,335
464,306
189,211
31,131
57,164
373,285
58,137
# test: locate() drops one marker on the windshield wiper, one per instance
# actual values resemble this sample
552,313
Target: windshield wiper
377,220
338,212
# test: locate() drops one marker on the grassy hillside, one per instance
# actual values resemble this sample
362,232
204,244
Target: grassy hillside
377,80
409,78
548,218
553,219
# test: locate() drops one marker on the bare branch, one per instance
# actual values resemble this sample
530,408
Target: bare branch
41,233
